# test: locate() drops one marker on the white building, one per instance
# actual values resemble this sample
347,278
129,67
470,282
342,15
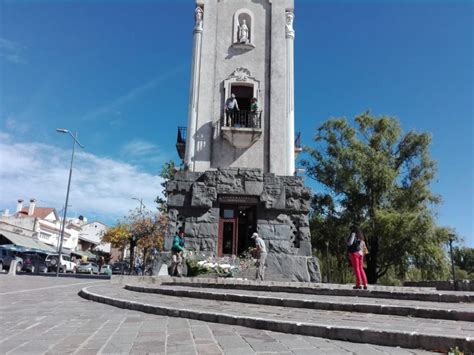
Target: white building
43,225
91,233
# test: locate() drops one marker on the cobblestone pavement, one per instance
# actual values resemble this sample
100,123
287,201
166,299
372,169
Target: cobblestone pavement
44,315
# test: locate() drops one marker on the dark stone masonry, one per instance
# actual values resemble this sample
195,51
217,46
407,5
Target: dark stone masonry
278,205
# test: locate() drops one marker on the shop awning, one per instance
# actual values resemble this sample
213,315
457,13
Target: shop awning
24,243
82,253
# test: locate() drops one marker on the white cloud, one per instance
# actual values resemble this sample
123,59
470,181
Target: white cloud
139,148
101,188
11,51
16,125
142,153
110,108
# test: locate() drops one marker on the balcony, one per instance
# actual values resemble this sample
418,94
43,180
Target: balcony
181,142
242,128
298,148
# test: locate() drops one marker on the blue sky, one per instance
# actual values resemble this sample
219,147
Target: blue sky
118,73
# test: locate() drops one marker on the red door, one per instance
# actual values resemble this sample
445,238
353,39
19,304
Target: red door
227,241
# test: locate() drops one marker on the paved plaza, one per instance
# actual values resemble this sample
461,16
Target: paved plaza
44,315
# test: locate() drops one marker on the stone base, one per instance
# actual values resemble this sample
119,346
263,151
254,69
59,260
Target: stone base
281,267
280,204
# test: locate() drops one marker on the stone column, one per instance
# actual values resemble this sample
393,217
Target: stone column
193,90
290,92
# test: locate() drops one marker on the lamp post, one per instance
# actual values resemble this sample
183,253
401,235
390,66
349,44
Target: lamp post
451,239
74,139
141,202
328,273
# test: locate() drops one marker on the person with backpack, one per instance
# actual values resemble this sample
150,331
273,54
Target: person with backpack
177,250
356,248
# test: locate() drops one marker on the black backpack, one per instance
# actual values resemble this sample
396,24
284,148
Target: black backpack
354,247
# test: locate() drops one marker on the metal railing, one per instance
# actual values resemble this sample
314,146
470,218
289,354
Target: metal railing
243,119
181,141
298,141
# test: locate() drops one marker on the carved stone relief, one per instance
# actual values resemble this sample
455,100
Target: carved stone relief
198,14
290,32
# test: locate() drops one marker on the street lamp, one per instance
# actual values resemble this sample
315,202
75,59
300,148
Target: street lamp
328,274
451,239
74,138
141,202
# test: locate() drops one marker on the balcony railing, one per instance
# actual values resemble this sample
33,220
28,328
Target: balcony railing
243,119
181,141
298,147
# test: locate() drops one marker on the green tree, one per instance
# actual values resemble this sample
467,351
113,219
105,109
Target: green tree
167,173
141,228
376,176
464,259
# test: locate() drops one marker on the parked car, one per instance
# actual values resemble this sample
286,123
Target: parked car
33,262
106,270
66,264
6,258
121,267
88,268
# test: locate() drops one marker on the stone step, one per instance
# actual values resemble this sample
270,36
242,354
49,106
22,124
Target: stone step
408,332
404,293
359,304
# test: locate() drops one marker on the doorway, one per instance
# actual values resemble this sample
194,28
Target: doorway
236,225
243,94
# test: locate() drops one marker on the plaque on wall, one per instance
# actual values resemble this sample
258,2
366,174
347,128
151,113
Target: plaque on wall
238,199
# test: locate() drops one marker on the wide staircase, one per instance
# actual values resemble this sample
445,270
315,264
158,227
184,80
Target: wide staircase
408,317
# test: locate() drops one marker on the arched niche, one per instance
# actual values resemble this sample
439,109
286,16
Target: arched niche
244,17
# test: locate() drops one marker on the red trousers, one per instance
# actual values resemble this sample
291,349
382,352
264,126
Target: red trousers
357,262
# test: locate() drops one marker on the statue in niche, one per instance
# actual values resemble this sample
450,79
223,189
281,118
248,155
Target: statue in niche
198,18
243,32
290,32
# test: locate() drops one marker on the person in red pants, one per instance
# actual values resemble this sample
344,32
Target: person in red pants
355,248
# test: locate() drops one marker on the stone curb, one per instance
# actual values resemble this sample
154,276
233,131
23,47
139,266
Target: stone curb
404,311
399,295
357,335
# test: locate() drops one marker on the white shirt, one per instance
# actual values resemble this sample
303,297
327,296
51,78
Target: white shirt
261,244
231,103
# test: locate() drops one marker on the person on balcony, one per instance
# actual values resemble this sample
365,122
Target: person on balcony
231,106
253,113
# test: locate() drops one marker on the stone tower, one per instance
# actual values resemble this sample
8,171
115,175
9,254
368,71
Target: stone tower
239,153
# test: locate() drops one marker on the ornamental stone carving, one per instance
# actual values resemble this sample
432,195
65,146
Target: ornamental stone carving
198,14
290,32
241,74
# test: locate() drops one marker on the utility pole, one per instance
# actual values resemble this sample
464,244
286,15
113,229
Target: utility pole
141,203
328,272
451,239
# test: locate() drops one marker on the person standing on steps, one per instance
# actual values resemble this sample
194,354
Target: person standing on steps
355,248
261,254
177,250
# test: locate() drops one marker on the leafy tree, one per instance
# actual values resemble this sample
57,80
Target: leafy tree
464,259
141,228
118,236
167,173
379,178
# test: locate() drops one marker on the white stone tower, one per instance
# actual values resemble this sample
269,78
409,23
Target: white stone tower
239,152
242,47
